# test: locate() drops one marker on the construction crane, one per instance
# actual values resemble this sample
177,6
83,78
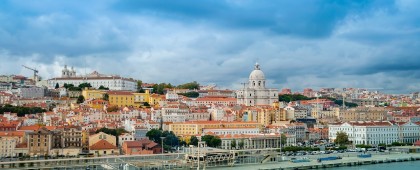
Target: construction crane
35,72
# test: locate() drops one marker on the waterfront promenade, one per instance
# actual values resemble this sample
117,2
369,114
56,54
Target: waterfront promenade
351,160
259,159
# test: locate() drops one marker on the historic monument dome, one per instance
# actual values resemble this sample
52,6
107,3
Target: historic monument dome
255,93
257,74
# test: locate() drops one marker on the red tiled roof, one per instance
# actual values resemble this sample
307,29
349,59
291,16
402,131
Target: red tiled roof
102,144
13,133
120,93
36,127
22,145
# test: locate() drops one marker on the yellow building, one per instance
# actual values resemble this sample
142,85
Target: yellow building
196,127
103,144
363,114
121,98
155,99
102,136
85,140
93,94
126,98
265,116
141,98
97,103
279,115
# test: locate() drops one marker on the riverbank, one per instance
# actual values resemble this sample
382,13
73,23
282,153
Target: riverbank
345,161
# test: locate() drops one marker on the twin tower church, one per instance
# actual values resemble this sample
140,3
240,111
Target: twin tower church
254,92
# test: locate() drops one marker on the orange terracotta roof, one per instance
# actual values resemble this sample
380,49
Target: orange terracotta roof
214,122
228,99
120,93
36,127
101,145
13,133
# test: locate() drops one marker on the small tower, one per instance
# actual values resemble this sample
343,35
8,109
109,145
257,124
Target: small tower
72,72
65,72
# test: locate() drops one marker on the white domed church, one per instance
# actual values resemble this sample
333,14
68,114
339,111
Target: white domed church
254,92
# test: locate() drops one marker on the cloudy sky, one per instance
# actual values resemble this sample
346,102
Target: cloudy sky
299,44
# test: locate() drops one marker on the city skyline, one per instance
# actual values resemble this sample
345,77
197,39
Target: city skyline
362,44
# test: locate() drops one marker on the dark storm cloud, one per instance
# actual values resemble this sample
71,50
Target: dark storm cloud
299,44
309,18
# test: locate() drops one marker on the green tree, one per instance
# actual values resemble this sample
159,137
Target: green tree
183,143
71,87
20,110
241,144
160,88
139,86
154,135
292,97
191,94
106,96
193,141
397,144
233,144
80,99
170,138
363,146
283,139
192,85
342,138
146,104
57,86
212,141
114,132
103,88
83,85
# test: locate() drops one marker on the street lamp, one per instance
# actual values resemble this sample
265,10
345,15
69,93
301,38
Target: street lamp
161,139
198,163
280,143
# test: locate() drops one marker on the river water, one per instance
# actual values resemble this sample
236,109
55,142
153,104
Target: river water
410,165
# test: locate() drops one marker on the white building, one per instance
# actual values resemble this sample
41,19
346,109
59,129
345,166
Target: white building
258,141
113,82
217,113
232,131
30,92
255,92
5,86
171,95
374,132
5,98
7,146
408,132
125,137
300,113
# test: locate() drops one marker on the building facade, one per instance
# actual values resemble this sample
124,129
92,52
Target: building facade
40,142
369,133
254,92
113,82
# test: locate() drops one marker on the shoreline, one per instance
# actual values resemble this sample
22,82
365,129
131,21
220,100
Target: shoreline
344,162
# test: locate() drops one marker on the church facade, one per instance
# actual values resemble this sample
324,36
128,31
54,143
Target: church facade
254,92
113,82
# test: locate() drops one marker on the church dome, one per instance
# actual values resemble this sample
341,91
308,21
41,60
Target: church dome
257,74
